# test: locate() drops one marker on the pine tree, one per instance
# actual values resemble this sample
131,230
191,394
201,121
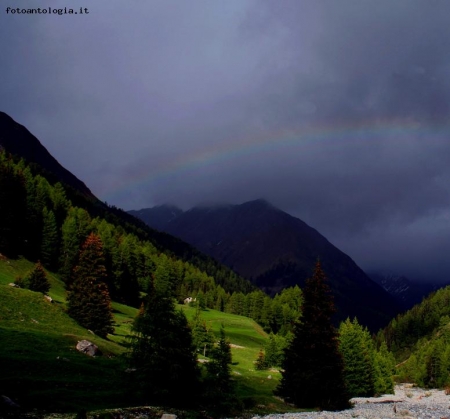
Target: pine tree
357,350
89,302
12,208
313,367
202,337
163,354
384,365
275,350
75,231
37,279
219,387
50,240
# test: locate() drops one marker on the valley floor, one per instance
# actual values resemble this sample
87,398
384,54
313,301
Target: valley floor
407,403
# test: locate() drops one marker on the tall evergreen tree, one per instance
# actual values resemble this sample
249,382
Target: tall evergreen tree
37,279
89,302
50,239
202,337
384,366
163,354
12,208
313,367
356,347
220,393
75,230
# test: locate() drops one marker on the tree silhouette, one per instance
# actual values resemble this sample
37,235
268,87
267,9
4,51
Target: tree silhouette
219,387
89,302
163,354
313,367
50,240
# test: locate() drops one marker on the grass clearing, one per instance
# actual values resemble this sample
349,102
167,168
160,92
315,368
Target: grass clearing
254,387
42,369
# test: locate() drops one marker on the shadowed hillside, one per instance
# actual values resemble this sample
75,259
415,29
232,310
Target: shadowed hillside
275,250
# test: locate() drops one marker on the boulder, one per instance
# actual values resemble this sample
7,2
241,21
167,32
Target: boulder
88,348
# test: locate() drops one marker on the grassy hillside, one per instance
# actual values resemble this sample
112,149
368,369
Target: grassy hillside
40,365
246,338
41,368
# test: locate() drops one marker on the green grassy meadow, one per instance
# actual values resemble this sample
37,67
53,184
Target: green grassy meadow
41,368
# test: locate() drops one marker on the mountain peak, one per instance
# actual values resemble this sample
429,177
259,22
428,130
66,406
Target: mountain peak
259,201
17,140
276,250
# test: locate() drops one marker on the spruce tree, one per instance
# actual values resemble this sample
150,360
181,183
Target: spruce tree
312,373
202,337
357,350
275,350
12,208
384,366
50,239
220,393
37,279
163,354
89,302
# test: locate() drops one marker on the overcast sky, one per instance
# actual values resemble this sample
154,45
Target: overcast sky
335,111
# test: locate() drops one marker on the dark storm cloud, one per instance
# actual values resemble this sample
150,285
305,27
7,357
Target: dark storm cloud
131,96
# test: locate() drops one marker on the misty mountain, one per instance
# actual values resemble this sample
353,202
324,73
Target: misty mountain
276,250
157,217
16,139
406,292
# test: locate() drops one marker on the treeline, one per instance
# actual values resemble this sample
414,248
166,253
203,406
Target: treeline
38,219
403,332
420,340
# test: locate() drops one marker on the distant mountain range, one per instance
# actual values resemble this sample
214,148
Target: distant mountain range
275,250
407,293
19,141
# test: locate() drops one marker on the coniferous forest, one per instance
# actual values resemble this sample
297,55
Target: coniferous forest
104,257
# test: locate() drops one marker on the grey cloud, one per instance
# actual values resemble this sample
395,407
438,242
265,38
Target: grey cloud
148,102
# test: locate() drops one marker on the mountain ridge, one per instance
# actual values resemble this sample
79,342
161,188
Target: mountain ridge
17,139
276,250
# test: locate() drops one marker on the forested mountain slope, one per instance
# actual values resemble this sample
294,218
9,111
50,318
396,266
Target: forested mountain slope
420,340
22,213
276,250
43,218
16,139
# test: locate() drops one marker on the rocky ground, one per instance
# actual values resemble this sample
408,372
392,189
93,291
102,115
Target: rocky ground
408,403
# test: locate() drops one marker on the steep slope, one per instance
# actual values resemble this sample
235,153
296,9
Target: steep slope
157,217
16,139
406,292
275,250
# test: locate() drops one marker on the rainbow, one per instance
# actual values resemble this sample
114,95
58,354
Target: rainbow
306,137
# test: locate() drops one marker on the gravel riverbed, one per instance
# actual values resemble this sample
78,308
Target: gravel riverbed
408,403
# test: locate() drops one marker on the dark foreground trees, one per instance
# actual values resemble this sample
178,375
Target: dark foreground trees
88,301
162,354
313,366
219,388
